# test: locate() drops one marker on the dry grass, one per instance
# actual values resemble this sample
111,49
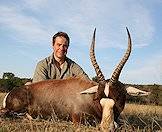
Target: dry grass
42,126
142,117
134,109
135,117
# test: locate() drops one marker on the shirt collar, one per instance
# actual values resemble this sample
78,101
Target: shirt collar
52,59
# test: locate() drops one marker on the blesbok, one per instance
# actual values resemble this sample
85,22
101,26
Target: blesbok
73,97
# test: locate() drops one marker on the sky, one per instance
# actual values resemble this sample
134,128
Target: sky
27,27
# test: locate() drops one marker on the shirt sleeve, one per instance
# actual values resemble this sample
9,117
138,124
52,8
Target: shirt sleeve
40,72
78,71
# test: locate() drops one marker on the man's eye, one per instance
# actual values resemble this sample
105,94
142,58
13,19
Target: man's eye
59,44
65,46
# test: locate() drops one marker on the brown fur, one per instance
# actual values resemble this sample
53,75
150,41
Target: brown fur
63,98
118,94
60,97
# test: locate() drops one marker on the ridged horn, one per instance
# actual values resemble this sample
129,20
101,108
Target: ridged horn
115,76
93,59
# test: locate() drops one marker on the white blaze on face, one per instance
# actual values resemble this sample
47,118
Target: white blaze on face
106,91
107,122
4,101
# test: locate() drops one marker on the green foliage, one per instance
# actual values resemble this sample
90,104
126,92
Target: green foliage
9,81
8,75
95,79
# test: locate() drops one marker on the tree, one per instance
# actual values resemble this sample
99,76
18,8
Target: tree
8,75
95,79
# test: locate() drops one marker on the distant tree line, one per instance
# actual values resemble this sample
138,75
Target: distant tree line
10,81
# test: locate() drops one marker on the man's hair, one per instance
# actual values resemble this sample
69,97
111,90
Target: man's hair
61,34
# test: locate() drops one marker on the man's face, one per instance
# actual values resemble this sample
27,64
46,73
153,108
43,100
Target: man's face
60,47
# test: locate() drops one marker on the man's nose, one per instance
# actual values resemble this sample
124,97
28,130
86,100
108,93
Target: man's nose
61,47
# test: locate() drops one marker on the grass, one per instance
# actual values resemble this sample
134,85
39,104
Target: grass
142,117
134,109
135,117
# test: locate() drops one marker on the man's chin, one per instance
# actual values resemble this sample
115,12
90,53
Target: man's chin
61,56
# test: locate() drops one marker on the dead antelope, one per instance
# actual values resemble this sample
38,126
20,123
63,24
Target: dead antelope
73,97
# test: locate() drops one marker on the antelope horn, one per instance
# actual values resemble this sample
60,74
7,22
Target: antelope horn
117,71
93,59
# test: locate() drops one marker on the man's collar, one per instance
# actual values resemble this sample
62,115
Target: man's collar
51,59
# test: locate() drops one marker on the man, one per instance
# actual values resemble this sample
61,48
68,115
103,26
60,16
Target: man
58,66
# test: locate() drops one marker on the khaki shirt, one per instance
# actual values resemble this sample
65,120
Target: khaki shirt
46,69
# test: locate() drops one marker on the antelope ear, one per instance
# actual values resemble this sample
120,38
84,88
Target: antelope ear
28,83
90,90
136,92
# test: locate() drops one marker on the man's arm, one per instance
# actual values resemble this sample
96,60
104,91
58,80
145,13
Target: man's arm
40,72
78,71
